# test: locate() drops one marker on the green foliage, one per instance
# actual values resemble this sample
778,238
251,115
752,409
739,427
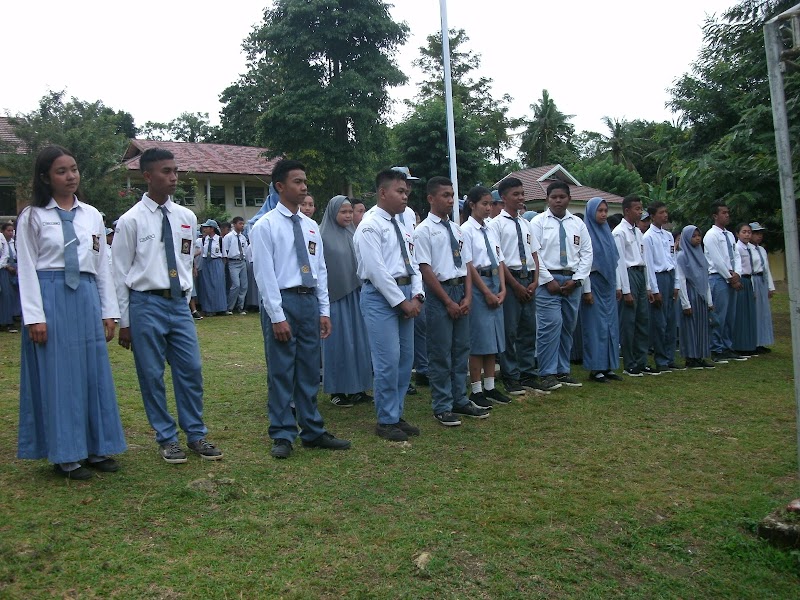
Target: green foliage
321,70
96,134
548,138
188,127
605,175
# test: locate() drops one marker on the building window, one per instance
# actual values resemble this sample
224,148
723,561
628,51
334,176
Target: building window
217,195
254,196
8,197
185,194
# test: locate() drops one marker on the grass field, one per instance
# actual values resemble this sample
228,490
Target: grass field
647,488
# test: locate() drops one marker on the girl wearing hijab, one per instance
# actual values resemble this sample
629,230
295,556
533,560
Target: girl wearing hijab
346,360
68,410
599,312
695,297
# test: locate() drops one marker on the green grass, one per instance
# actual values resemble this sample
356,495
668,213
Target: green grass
645,488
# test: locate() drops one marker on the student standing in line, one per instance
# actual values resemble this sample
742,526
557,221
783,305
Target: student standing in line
487,330
8,291
565,259
601,293
695,299
68,410
391,298
764,288
359,208
634,312
444,263
307,207
745,327
346,363
153,276
234,247
212,276
520,248
659,252
724,266
295,313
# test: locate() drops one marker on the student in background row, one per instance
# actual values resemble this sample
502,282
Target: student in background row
8,272
234,247
763,288
695,299
745,323
346,366
213,298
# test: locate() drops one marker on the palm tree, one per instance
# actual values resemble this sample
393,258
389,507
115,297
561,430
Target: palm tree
620,143
549,129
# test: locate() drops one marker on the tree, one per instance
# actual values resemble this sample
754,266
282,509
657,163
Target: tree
96,134
322,69
548,136
619,143
188,127
609,177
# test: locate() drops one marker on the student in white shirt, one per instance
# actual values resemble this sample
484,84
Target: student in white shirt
234,247
153,253
724,266
565,261
391,298
68,410
659,252
745,325
213,298
8,291
289,266
763,287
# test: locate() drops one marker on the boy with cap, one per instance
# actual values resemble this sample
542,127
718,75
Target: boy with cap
234,247
764,288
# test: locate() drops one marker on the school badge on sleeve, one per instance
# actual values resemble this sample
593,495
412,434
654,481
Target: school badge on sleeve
96,243
312,249
186,246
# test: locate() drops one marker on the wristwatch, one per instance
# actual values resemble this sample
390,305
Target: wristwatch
420,298
578,282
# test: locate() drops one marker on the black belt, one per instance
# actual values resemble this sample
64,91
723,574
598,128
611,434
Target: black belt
487,272
561,272
164,293
454,281
236,259
300,289
747,276
667,271
518,274
637,267
398,280
759,274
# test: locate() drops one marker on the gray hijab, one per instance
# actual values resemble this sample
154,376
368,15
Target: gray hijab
340,255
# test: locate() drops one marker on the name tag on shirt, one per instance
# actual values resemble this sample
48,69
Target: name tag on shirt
672,249
529,239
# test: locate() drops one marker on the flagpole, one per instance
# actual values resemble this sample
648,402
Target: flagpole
448,103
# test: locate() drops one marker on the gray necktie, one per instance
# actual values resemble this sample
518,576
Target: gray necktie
239,241
453,242
169,250
730,248
521,247
302,253
72,269
402,241
562,243
492,258
750,256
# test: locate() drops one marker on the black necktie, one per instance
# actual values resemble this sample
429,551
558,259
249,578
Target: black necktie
401,240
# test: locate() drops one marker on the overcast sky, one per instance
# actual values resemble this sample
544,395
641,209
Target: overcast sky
156,59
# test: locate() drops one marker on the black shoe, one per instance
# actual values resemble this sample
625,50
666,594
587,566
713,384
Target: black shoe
107,465
327,441
421,379
480,400
549,383
205,449
598,377
568,380
533,384
447,419
79,474
719,358
632,372
704,364
281,448
391,432
407,428
496,397
468,410
411,391
513,388
694,364
763,350
361,398
746,353
731,355
676,367
197,315
342,400
172,453
655,370
611,376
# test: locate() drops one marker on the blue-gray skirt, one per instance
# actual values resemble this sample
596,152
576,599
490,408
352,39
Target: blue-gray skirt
694,339
213,294
67,402
487,332
7,293
744,326
599,327
346,359
765,335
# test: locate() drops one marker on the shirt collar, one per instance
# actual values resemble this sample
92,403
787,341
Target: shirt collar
383,214
507,214
153,206
434,218
281,208
75,203
567,215
474,220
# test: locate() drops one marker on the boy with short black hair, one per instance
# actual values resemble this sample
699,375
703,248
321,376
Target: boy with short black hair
234,247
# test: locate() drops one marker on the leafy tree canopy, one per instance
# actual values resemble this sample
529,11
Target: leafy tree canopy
548,137
609,177
187,127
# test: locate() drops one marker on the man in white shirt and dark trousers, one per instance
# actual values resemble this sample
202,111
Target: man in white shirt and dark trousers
724,266
153,252
289,267
234,247
391,298
444,261
634,314
520,248
565,261
659,251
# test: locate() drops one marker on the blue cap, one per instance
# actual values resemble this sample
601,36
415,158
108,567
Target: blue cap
109,230
756,226
645,215
496,196
406,172
529,214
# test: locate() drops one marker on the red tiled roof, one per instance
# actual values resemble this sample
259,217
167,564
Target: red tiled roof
8,136
536,180
206,158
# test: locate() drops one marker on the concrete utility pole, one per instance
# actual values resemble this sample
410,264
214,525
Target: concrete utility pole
777,55
448,103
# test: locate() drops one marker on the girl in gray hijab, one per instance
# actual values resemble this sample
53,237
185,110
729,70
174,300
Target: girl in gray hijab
346,361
